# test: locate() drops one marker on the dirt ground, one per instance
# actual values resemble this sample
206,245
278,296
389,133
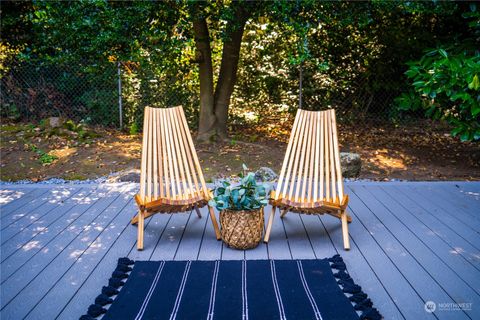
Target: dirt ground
414,153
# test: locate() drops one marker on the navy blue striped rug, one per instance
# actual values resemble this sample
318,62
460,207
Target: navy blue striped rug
254,289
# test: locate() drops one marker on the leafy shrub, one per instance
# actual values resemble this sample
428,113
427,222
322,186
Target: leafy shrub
82,132
44,157
447,87
133,128
248,195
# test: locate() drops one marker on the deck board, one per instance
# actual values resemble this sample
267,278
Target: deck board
39,274
431,226
437,212
432,279
468,204
399,286
358,267
410,242
447,204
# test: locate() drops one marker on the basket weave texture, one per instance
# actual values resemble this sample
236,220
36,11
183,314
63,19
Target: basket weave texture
242,229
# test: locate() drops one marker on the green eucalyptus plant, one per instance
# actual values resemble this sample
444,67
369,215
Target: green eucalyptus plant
248,195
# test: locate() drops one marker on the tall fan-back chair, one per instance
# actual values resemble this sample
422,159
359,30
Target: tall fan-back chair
310,181
171,179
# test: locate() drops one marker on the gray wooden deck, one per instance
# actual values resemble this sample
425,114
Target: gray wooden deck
411,243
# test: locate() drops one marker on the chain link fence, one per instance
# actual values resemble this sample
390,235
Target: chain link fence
360,101
114,95
35,91
110,95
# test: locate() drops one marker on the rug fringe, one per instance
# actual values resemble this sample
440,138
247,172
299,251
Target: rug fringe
359,299
114,285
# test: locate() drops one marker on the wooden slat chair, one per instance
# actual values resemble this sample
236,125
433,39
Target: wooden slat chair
310,181
171,179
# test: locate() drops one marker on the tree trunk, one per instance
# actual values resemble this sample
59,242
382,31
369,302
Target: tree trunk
204,59
214,106
228,70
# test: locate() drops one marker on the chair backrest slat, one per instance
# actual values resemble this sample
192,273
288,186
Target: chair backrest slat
337,157
190,168
166,172
311,169
169,154
333,180
327,159
301,161
173,144
317,154
322,156
287,155
306,156
184,169
195,157
312,158
178,160
160,158
170,168
295,156
154,156
290,159
149,156
143,167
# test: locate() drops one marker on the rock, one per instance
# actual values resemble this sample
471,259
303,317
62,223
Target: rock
351,164
55,122
132,175
265,174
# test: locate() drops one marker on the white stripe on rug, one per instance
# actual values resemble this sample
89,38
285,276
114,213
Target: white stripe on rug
244,291
213,291
173,315
277,291
150,291
318,315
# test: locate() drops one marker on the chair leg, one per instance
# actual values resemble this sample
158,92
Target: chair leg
140,230
199,214
346,239
214,222
269,225
283,213
146,214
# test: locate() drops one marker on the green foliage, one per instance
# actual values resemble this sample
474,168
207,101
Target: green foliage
248,195
336,43
133,129
445,81
446,85
81,131
44,157
47,159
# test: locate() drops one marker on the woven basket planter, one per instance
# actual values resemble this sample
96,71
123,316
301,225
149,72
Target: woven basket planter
242,229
